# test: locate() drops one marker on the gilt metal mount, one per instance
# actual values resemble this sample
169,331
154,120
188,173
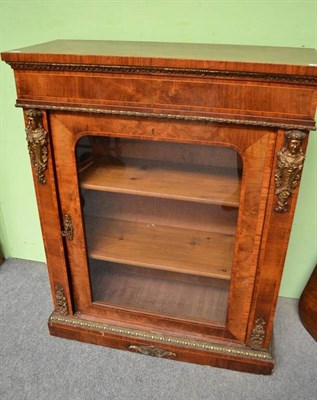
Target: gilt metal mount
152,351
124,332
61,302
289,168
258,334
36,137
68,230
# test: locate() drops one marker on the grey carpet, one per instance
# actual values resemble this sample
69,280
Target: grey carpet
37,366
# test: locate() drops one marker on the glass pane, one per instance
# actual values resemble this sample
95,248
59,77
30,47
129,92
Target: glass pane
160,221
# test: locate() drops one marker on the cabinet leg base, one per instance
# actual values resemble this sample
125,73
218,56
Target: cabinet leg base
159,345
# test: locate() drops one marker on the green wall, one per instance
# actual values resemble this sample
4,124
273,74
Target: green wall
272,23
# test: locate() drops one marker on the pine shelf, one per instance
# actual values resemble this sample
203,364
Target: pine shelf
164,179
168,248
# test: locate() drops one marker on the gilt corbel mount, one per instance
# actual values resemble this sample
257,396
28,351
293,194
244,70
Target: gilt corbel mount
289,168
36,137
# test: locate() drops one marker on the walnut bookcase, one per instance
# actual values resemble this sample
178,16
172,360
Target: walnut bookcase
166,178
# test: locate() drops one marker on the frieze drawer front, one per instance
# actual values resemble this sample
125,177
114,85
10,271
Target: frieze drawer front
159,94
166,179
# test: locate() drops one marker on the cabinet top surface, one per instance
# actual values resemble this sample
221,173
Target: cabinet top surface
182,55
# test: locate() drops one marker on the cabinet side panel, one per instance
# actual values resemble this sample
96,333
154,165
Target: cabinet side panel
47,201
274,244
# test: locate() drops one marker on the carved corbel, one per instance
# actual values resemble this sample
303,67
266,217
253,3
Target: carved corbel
36,137
290,161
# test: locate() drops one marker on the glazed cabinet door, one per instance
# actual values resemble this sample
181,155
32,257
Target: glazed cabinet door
162,221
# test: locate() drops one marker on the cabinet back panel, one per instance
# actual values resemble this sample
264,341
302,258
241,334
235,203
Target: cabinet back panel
151,210
157,292
161,151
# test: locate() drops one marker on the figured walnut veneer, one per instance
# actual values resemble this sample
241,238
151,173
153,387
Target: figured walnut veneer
205,130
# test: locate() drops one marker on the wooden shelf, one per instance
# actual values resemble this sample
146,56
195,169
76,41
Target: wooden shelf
159,292
160,247
179,181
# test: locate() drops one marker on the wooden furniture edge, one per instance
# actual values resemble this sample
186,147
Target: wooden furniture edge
237,71
260,122
178,349
266,59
